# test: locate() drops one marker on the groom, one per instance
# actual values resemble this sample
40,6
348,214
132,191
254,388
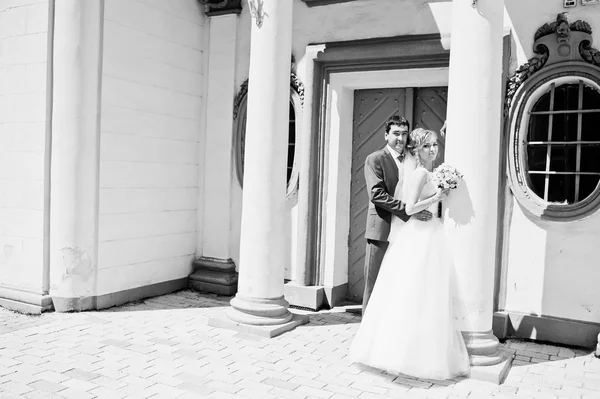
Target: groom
383,169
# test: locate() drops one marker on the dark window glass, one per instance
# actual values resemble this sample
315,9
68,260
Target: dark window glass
291,142
571,138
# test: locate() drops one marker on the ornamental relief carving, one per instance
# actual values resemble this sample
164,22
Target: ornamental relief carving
295,84
556,42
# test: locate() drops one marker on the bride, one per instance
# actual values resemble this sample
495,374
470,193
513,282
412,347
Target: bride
409,327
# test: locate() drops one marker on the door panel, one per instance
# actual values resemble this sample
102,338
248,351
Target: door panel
430,113
372,108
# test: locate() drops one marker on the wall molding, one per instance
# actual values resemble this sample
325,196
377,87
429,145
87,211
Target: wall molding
24,301
118,298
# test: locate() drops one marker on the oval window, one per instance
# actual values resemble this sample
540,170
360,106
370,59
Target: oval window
295,116
555,156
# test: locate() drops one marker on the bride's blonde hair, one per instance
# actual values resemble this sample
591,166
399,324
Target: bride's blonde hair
417,137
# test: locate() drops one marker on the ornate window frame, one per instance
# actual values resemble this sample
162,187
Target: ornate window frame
239,131
563,55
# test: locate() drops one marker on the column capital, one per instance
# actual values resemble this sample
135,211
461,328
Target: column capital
221,7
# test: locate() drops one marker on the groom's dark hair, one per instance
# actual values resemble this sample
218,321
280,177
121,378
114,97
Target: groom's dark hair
396,120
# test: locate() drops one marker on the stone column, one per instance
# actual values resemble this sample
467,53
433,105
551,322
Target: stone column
75,153
259,301
473,146
215,271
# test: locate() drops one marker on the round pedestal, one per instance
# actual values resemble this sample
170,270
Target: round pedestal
259,311
483,348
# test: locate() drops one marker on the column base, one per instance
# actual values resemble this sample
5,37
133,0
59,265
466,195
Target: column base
496,373
488,362
216,276
259,311
266,331
483,348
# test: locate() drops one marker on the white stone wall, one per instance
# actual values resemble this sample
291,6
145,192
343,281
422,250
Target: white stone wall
23,65
552,268
150,132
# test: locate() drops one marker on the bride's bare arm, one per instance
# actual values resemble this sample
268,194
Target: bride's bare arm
413,205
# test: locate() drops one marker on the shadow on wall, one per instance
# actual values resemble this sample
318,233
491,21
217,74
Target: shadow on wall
555,266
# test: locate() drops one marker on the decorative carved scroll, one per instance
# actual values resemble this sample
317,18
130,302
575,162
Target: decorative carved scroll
556,42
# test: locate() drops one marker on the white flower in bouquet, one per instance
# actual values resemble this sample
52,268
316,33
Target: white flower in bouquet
446,176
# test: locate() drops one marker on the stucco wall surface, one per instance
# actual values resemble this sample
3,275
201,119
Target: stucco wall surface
552,268
23,64
150,130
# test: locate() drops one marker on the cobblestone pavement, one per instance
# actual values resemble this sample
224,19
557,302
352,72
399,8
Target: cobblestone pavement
163,348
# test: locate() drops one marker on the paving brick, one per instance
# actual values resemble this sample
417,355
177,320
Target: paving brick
284,393
195,389
342,390
80,374
168,350
107,393
276,382
310,391
309,383
17,387
35,395
73,393
219,386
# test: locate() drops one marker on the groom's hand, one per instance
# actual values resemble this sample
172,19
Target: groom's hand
423,216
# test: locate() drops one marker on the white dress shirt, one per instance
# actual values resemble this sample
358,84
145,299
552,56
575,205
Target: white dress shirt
396,154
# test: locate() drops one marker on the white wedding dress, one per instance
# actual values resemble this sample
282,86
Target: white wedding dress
409,326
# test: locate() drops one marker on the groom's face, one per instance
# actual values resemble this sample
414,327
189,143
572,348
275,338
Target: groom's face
396,137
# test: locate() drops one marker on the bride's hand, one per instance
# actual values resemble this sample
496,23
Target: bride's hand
441,193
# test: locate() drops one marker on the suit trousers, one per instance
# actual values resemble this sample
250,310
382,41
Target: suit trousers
373,258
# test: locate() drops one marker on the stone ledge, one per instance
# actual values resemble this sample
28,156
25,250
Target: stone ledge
24,301
310,297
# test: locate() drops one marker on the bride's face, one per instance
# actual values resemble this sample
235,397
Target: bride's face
428,151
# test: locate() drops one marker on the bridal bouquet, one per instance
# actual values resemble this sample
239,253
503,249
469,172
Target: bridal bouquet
446,176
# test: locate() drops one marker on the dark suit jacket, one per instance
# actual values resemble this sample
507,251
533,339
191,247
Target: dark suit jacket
381,175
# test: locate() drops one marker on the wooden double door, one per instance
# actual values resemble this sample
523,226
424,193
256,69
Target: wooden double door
423,107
